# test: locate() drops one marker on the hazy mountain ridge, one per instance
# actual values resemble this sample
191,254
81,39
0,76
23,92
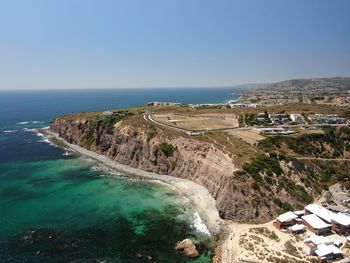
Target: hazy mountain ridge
334,83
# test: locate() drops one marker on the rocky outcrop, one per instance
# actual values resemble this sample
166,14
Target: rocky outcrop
187,247
135,142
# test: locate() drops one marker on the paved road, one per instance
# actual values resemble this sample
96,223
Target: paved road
148,117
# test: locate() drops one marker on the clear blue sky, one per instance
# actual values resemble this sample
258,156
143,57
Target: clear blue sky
170,43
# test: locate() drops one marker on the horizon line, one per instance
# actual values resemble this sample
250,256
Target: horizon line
167,87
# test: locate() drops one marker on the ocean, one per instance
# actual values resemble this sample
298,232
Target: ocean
56,206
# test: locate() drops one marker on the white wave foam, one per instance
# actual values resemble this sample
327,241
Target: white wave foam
30,130
199,225
23,122
9,131
46,139
29,122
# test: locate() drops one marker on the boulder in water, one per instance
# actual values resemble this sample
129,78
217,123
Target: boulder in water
187,247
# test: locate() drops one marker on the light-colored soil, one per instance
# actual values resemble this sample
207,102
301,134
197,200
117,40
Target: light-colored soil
251,136
198,122
265,243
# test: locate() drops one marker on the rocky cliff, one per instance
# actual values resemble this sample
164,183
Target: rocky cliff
129,139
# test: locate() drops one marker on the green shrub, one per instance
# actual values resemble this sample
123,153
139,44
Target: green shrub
167,149
255,186
110,120
273,155
262,164
295,190
268,180
151,133
284,206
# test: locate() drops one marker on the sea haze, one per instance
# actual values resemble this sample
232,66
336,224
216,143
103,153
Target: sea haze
58,207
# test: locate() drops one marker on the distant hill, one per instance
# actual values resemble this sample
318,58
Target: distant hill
252,86
336,84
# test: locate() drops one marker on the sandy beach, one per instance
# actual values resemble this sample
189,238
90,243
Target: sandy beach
198,196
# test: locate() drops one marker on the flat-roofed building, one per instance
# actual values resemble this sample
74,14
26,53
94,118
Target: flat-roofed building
320,211
327,252
296,117
285,220
313,242
340,223
299,213
297,229
316,225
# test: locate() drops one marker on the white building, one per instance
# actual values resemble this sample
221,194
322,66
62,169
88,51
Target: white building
107,113
297,228
327,252
340,223
320,211
312,243
285,220
316,225
296,117
277,130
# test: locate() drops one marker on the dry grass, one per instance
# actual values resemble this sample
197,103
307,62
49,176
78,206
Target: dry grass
317,131
251,136
238,149
205,121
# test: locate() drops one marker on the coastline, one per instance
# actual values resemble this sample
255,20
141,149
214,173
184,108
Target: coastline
200,199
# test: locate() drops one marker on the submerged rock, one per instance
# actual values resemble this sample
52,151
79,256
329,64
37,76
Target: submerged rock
187,247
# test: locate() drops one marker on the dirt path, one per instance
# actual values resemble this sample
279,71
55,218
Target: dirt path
322,159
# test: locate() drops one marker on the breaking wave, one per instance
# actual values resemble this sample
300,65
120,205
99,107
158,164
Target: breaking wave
29,122
199,225
9,131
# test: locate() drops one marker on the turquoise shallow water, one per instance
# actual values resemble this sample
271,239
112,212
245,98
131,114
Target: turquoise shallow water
58,208
73,210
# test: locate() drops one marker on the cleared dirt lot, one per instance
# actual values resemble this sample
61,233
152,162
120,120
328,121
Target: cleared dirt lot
209,121
251,136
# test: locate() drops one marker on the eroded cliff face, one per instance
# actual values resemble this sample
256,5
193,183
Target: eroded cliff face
135,142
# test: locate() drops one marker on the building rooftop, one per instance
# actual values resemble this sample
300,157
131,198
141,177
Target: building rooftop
299,212
341,218
324,250
317,240
320,211
287,217
297,227
315,222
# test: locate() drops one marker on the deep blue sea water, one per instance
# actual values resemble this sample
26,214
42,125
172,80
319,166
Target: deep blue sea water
57,207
